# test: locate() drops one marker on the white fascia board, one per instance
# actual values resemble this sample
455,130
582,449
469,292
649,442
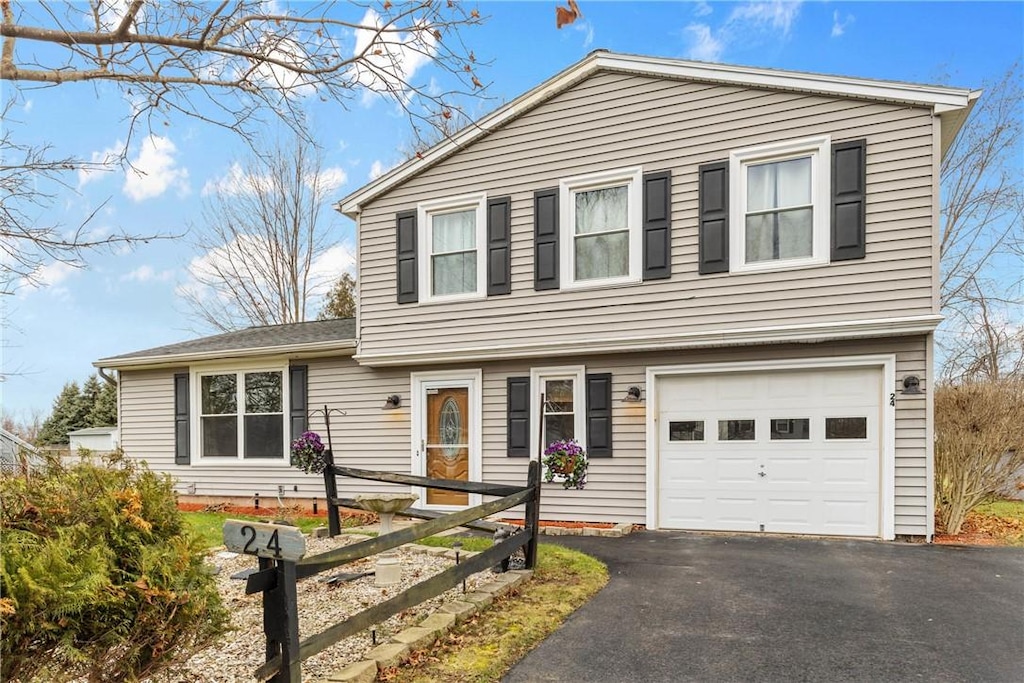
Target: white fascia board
808,333
942,100
310,350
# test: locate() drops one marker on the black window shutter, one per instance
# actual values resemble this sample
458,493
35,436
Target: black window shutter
713,219
297,398
181,434
406,273
599,415
545,239
518,417
499,246
849,189
657,225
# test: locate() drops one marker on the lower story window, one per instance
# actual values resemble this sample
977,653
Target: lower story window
561,393
242,414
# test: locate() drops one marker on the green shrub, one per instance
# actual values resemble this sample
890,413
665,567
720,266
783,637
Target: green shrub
100,577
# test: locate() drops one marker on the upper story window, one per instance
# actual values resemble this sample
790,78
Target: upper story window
601,228
241,414
452,245
780,198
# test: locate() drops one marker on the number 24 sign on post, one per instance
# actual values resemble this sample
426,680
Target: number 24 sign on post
262,539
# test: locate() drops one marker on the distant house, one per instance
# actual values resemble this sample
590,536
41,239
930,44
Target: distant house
16,454
723,281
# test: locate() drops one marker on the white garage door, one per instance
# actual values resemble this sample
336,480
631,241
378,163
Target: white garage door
795,451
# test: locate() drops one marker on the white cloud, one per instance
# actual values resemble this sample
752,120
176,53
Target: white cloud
776,15
49,276
377,169
391,60
154,170
838,25
146,273
324,270
237,182
748,25
270,75
329,180
703,45
28,106
100,162
702,9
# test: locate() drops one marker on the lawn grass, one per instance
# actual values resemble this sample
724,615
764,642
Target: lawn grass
1000,507
209,525
487,645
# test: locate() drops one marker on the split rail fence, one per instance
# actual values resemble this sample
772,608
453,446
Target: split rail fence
282,563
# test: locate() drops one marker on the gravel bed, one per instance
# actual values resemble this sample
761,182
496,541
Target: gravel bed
235,656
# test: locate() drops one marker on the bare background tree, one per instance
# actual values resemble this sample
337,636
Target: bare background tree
982,240
230,63
262,231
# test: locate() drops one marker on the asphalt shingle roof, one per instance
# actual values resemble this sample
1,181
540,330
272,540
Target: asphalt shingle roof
266,336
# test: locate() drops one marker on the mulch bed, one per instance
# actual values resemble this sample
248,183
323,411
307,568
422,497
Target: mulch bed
360,516
984,530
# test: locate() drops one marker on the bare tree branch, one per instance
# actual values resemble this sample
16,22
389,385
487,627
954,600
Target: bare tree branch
166,53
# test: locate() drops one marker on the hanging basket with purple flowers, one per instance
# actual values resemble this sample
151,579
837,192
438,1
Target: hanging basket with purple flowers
566,461
308,453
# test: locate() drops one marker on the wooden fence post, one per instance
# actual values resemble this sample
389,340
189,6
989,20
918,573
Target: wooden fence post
281,621
533,513
331,489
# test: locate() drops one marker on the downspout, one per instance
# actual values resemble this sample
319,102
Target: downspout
109,380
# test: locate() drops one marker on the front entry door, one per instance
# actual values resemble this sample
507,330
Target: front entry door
447,441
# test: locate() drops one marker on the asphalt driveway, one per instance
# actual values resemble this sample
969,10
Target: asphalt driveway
688,607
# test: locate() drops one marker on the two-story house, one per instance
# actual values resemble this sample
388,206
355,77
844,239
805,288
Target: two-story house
723,281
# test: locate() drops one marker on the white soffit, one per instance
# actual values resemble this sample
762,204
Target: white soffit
951,104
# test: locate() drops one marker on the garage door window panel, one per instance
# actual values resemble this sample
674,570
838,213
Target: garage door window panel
790,429
736,430
686,430
846,428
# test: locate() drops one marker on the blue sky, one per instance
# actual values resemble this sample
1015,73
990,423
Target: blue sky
129,300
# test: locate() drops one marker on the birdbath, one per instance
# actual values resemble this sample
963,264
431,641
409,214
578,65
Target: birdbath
387,570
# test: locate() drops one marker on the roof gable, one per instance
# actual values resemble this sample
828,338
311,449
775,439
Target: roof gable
951,104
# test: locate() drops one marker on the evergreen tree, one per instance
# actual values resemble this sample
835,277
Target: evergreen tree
341,299
104,409
69,413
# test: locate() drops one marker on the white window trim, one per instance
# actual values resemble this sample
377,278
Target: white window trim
196,373
577,373
419,383
819,149
424,210
633,179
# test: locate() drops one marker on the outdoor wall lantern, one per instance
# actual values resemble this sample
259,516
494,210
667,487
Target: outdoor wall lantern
393,402
911,385
632,395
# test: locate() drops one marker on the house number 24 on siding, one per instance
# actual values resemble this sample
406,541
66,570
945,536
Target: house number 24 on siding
272,541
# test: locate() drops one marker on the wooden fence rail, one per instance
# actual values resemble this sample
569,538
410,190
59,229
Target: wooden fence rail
277,578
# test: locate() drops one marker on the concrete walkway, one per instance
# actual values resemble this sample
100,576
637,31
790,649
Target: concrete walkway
687,607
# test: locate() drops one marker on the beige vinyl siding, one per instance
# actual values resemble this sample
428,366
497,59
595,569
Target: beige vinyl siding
613,121
367,436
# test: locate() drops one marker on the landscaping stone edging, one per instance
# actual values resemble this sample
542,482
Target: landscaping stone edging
617,531
433,626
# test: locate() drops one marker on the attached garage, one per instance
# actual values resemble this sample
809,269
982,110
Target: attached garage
794,448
